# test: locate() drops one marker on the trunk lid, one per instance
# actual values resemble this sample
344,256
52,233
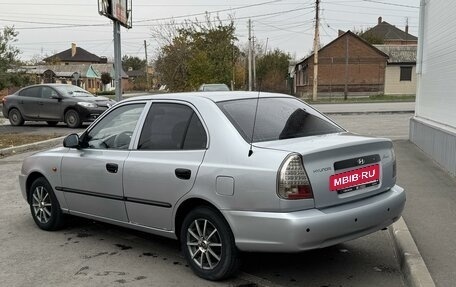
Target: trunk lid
335,164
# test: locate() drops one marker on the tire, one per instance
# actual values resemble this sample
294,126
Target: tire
15,117
52,123
212,257
44,206
72,119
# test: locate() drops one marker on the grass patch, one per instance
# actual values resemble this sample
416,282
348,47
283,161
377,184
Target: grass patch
12,140
361,99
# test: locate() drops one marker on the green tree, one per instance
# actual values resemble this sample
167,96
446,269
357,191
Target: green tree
197,53
9,59
272,71
133,62
106,78
369,37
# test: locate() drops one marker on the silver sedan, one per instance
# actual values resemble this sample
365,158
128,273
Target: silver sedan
222,172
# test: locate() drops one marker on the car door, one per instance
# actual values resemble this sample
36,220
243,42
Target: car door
50,104
92,175
28,102
164,166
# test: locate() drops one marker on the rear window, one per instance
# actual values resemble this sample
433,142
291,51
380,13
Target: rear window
277,119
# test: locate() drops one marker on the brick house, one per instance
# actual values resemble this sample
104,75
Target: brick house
347,65
88,66
74,56
388,34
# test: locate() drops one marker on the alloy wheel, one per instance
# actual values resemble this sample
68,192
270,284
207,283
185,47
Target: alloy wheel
41,203
204,244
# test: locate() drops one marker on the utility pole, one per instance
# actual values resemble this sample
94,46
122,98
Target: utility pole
147,66
346,68
316,44
250,55
254,65
233,68
117,61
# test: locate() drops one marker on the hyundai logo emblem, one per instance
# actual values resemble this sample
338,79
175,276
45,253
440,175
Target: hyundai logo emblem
360,161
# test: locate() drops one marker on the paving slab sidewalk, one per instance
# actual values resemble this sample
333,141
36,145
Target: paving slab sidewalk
430,211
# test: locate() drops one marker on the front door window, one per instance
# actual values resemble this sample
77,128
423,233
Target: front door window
114,131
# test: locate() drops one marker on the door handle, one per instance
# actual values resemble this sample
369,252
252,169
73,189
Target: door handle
40,103
183,173
112,167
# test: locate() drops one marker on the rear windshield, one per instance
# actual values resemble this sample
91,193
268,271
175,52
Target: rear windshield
277,119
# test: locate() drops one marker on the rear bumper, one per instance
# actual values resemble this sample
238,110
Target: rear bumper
315,228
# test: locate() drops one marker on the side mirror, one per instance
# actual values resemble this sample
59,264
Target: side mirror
71,141
56,97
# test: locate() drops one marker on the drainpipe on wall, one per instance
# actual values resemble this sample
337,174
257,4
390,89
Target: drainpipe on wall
419,59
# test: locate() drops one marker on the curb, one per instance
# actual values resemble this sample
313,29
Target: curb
369,112
30,147
412,264
413,267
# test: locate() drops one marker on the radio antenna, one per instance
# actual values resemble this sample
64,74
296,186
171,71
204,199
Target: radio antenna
254,119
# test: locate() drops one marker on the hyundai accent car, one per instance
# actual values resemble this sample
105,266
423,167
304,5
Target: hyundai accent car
54,103
221,172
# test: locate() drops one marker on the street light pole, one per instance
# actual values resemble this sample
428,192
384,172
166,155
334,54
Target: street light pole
117,61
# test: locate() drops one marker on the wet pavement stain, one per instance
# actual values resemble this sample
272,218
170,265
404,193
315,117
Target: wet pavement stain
113,253
95,255
83,235
150,254
123,247
121,281
140,277
106,273
81,271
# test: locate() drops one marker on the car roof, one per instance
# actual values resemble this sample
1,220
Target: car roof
216,96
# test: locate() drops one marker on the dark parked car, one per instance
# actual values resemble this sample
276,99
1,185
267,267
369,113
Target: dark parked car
54,103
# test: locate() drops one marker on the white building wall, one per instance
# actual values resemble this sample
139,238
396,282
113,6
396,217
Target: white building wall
393,83
436,98
433,128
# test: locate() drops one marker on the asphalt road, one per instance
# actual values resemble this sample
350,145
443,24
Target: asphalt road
391,125
393,107
88,253
430,212
96,254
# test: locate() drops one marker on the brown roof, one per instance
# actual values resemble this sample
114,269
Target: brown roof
386,31
81,55
381,53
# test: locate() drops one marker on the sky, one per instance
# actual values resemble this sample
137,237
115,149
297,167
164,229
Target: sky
47,27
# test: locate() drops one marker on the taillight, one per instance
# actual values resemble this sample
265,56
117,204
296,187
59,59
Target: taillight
293,182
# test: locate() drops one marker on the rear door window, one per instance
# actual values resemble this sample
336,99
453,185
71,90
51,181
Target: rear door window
277,119
170,126
33,92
